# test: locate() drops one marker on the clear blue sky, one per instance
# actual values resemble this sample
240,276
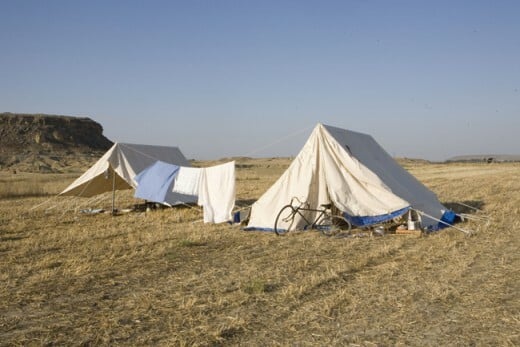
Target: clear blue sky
428,79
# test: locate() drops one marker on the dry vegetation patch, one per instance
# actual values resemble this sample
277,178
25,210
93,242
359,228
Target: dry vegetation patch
164,278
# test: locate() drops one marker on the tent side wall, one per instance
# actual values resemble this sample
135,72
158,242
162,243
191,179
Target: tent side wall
400,181
354,188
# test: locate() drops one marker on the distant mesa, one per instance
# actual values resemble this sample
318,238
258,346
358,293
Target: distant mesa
48,143
486,158
413,161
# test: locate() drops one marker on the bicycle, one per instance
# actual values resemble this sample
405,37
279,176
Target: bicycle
329,224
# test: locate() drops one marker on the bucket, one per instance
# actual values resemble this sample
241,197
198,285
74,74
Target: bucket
414,225
414,222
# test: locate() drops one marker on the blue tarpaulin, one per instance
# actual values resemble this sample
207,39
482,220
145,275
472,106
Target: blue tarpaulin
155,184
361,221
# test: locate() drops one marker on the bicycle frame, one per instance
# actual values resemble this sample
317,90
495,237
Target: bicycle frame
312,224
324,221
302,207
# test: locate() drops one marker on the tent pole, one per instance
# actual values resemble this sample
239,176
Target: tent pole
469,233
113,192
465,205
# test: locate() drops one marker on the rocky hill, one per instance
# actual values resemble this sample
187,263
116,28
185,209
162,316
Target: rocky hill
49,143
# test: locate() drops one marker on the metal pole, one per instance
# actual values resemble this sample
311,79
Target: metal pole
447,224
113,192
466,205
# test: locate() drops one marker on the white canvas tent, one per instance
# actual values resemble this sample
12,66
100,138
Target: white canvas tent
355,174
117,168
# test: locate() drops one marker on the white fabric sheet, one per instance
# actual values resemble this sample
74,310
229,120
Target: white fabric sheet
187,181
217,192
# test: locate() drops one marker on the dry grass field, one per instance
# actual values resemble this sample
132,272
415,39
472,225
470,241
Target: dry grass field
164,278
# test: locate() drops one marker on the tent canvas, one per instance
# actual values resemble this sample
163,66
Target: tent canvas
118,167
354,173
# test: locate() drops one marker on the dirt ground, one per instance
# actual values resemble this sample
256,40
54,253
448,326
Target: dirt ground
164,278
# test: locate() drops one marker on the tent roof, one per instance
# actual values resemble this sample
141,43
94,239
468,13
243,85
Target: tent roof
376,159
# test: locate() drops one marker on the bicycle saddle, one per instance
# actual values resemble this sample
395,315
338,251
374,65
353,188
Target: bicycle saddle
326,205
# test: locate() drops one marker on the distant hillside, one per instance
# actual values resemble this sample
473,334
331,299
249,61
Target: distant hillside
485,158
48,143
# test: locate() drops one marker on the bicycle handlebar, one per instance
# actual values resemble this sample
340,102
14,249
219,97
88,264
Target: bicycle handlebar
300,203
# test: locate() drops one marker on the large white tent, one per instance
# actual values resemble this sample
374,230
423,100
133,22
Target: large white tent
118,167
354,173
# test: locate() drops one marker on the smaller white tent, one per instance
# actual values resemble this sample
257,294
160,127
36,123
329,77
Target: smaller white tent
351,171
117,168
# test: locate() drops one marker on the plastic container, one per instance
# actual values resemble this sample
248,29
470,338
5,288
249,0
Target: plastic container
413,221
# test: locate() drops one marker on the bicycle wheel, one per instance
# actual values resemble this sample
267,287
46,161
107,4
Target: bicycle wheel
332,225
286,215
